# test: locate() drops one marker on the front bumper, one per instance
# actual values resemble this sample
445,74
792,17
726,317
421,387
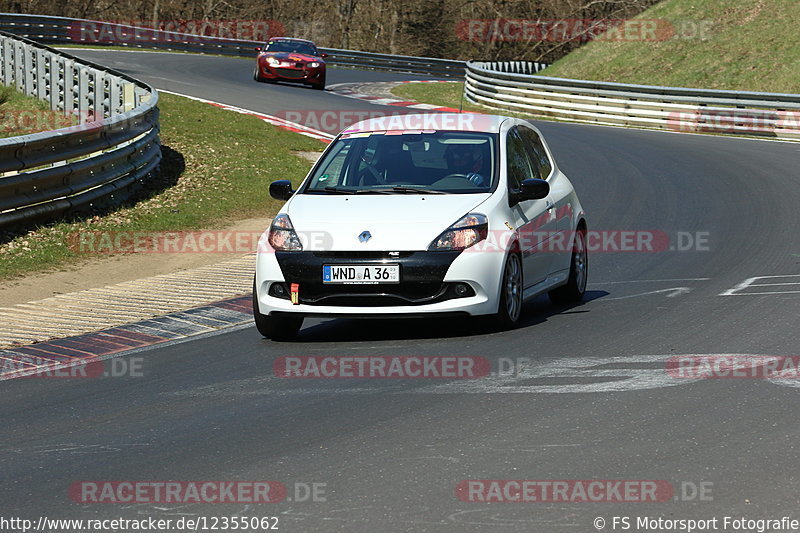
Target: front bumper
430,282
291,73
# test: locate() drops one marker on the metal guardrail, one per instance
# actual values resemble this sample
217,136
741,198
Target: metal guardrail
114,143
511,86
60,30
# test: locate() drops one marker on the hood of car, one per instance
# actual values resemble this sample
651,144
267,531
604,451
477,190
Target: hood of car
292,57
395,222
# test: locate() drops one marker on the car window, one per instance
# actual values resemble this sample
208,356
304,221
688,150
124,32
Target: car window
291,46
455,162
537,152
517,161
331,172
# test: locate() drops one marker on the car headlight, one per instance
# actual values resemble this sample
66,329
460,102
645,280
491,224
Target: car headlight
271,61
468,231
313,64
282,236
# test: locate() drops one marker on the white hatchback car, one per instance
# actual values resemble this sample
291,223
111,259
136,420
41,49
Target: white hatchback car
446,214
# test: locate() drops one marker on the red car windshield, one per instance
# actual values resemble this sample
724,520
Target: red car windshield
291,46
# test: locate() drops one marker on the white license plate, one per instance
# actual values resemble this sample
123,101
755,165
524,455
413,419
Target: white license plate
361,274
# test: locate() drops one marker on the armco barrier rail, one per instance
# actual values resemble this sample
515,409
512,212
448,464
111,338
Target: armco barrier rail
59,30
114,144
511,86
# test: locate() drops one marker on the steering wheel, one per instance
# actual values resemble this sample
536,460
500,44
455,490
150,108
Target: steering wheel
370,169
472,177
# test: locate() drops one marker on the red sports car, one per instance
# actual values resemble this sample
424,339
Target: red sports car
287,59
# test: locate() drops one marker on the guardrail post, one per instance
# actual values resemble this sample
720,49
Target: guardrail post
41,74
128,98
98,85
69,86
56,66
83,93
115,97
19,66
29,73
3,71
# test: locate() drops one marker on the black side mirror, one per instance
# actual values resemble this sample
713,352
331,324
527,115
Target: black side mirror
530,189
281,189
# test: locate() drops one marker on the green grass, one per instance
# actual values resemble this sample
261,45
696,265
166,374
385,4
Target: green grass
439,94
449,95
21,114
750,45
216,170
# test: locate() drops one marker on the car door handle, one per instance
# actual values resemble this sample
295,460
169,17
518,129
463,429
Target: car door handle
550,205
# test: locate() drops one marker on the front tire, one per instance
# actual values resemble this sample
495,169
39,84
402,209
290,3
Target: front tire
278,328
320,86
256,75
575,288
510,305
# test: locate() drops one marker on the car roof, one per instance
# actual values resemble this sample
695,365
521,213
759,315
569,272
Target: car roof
430,121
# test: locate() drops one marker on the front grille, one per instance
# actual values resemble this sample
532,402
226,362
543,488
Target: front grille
421,278
290,73
377,295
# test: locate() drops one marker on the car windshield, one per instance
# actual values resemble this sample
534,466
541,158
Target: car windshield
449,162
291,46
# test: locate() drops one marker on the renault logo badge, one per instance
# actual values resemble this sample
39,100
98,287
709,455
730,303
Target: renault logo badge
365,236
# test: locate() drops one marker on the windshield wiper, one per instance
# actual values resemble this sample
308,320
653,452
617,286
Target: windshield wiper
378,190
405,189
340,190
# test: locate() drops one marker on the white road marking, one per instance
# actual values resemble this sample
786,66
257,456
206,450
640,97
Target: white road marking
750,282
563,375
172,81
597,283
671,293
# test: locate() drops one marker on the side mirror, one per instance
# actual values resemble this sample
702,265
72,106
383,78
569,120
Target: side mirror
258,48
281,189
530,189
323,55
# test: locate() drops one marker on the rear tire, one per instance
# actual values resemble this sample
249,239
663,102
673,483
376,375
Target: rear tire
510,306
278,328
575,288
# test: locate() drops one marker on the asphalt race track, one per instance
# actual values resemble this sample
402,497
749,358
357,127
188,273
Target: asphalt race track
593,400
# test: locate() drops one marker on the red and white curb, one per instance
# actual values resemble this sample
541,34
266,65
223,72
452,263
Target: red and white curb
380,93
270,119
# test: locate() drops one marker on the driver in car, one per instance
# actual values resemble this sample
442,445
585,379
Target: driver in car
467,160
